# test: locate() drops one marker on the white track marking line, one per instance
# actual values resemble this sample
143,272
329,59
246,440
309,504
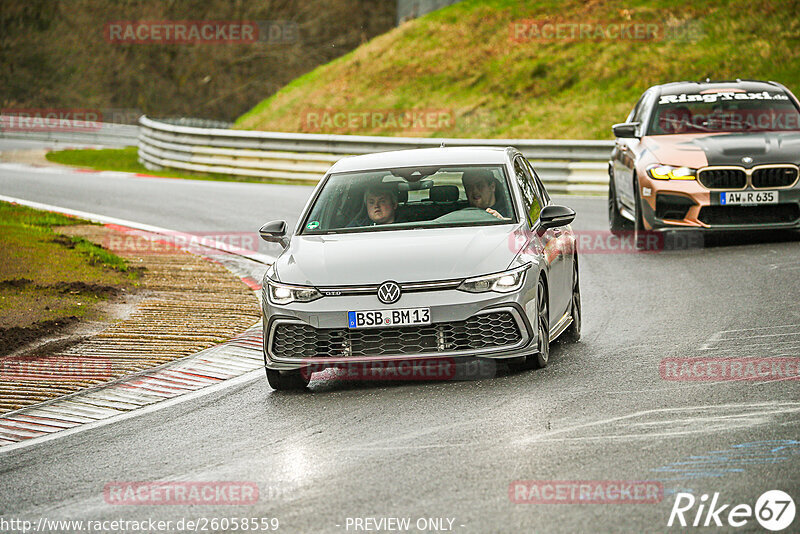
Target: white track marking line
98,416
547,436
710,342
215,244
241,379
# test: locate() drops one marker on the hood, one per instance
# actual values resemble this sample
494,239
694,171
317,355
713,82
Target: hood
399,255
700,150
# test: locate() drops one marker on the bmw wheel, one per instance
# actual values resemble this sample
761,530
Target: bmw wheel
638,226
616,222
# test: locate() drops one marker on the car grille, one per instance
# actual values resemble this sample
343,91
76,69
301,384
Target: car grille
672,206
774,177
729,215
723,178
489,330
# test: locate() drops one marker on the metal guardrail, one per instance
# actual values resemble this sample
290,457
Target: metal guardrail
565,166
107,134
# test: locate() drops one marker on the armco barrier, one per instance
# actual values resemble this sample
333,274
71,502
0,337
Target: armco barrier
566,166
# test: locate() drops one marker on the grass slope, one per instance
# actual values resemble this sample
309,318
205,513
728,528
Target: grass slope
47,279
462,59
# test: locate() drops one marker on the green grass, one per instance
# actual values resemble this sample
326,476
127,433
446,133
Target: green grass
462,59
126,160
45,276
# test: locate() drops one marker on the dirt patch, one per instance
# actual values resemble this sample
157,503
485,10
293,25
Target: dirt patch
16,283
89,289
14,337
46,279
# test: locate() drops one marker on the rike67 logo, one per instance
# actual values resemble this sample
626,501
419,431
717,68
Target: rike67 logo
774,510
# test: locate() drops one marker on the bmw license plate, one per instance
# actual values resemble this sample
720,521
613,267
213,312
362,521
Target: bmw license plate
384,318
731,198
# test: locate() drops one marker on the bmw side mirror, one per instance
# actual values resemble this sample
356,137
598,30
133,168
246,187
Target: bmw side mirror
625,130
554,216
275,232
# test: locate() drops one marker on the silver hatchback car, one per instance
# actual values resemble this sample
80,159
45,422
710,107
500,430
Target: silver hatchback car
417,256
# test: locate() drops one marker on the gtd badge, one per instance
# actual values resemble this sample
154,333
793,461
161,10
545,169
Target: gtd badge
389,292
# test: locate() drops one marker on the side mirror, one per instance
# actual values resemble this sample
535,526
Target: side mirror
625,130
275,232
554,216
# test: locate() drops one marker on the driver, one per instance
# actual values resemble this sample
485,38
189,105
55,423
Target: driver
380,202
480,187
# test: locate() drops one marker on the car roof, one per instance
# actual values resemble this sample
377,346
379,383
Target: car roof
675,88
469,155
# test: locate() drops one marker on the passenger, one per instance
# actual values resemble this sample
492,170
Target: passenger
481,186
381,205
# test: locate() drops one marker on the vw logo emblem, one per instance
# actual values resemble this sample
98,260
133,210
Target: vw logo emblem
747,159
389,292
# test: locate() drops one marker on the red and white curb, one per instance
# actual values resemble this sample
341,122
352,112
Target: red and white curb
236,361
235,358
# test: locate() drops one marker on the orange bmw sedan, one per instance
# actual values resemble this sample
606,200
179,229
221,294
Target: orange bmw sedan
713,155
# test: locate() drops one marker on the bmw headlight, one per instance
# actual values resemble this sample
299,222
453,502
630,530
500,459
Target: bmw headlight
283,294
668,172
504,282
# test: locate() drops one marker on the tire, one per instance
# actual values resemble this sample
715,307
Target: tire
573,333
616,222
638,226
287,380
540,359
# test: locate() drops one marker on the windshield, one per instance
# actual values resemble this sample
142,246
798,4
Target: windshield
411,197
728,111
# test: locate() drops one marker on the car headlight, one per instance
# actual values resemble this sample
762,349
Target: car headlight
504,282
283,294
668,172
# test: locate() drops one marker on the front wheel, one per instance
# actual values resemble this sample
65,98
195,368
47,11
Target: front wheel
639,236
540,359
287,380
616,222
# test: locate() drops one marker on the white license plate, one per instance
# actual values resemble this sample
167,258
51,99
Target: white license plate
748,197
384,318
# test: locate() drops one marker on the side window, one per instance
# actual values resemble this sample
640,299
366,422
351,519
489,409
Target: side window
636,114
538,183
642,110
533,203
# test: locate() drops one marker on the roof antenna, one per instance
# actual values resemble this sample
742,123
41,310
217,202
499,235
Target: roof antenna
442,145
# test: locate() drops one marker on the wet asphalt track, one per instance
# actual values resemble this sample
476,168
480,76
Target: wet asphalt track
600,411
